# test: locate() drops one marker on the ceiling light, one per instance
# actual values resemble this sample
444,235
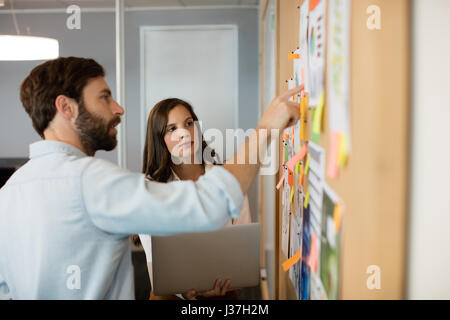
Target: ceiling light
19,48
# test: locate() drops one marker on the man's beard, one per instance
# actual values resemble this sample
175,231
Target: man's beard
94,131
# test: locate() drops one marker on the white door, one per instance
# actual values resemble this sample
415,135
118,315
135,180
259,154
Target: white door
198,64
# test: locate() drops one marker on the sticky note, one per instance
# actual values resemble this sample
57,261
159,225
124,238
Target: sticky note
289,263
280,183
343,150
292,195
303,75
308,156
297,158
297,168
291,178
304,118
313,254
306,199
313,4
332,168
286,152
300,178
293,56
291,85
317,119
337,216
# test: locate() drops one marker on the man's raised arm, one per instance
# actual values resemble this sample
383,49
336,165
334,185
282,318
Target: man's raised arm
280,114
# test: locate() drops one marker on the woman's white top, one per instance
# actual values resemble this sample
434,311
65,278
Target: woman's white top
146,239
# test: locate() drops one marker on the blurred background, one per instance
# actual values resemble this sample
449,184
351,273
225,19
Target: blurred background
208,52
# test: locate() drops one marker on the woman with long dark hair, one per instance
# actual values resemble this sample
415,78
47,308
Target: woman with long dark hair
172,152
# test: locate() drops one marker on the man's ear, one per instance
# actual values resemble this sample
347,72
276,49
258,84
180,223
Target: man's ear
66,106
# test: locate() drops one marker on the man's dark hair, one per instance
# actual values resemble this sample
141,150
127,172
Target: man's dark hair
62,76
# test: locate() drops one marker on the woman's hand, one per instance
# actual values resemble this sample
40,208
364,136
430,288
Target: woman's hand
217,291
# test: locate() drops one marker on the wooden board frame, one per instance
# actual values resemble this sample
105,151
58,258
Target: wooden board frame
374,184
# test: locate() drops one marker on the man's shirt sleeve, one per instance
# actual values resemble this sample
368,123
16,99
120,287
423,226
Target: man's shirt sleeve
121,202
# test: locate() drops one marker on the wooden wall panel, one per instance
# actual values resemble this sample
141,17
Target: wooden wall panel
374,185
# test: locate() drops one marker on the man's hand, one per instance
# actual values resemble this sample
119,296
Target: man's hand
217,291
282,112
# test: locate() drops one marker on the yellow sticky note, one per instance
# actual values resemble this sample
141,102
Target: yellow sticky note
342,150
307,163
297,168
292,195
306,199
337,216
317,120
304,118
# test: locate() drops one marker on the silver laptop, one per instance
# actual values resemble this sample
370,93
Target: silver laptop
196,260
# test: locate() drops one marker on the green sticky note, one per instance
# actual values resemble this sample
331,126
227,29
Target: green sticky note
286,153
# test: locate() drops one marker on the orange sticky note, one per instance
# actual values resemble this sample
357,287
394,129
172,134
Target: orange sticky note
313,254
289,263
297,158
313,4
290,178
280,183
333,169
304,118
337,216
300,179
293,56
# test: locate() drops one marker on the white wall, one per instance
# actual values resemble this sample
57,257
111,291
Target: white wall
429,238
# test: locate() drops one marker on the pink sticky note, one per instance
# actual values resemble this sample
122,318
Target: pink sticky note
333,169
296,159
280,183
303,76
313,254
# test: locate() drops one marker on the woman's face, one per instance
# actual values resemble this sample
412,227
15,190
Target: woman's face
180,133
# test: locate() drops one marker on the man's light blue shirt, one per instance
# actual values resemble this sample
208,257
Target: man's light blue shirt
65,221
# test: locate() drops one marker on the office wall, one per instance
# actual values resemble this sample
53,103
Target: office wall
429,236
97,39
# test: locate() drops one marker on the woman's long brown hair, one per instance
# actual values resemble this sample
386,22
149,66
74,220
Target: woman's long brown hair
157,163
